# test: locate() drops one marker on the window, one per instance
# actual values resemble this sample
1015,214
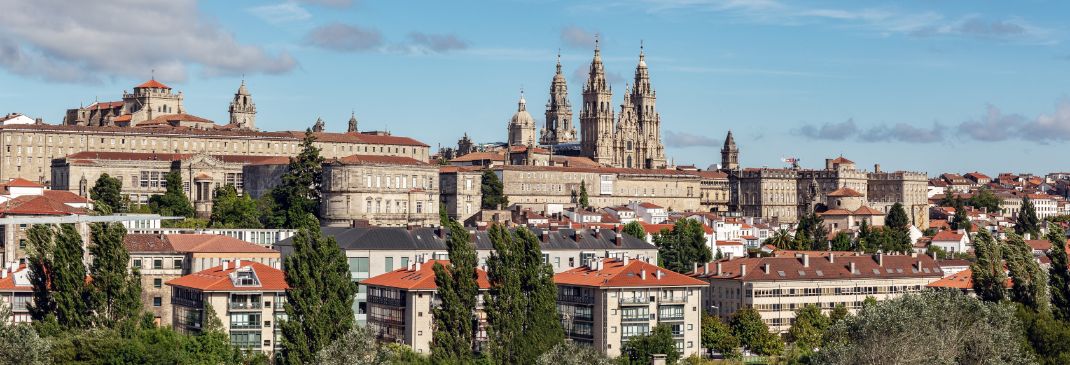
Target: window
404,262
157,264
358,266
157,283
137,263
178,263
388,263
157,301
630,330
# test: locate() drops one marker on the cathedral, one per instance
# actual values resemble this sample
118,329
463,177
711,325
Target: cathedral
630,139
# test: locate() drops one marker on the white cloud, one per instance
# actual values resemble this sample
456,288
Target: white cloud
576,37
86,41
281,13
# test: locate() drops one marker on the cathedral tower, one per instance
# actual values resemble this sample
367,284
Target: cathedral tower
596,117
644,99
522,126
730,153
558,112
352,123
626,137
242,109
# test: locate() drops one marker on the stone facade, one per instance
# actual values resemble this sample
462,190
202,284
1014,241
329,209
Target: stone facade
379,190
149,100
461,191
559,127
714,192
533,187
522,125
635,140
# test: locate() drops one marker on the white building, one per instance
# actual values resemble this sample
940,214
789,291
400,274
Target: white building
649,212
952,241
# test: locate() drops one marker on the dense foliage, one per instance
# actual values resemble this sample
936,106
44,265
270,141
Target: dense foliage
753,333
985,199
115,290
493,191
455,323
684,246
635,229
717,336
584,200
1027,221
58,276
989,277
298,194
174,201
639,350
572,353
230,210
1059,274
107,195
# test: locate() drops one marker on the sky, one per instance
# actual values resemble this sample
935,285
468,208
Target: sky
931,86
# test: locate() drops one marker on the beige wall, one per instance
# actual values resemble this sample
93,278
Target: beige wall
271,311
384,195
534,189
461,193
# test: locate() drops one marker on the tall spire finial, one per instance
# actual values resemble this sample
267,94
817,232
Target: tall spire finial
596,35
152,74
640,48
243,78
558,60
522,104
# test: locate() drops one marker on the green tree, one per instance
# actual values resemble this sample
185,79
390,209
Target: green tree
811,233
780,239
808,330
683,247
1030,281
493,191
174,201
116,291
1059,274
319,305
107,194
717,336
572,353
1048,337
230,210
635,229
961,219
455,324
753,334
59,277
897,218
521,308
989,278
356,347
19,343
1027,222
839,312
639,350
985,199
933,327
842,242
298,194
584,202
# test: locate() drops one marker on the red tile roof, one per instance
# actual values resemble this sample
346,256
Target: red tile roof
105,105
188,242
38,205
845,192
123,118
222,133
86,156
616,274
8,284
962,280
152,84
19,182
948,235
169,118
480,156
217,279
712,174
423,278
650,206
841,160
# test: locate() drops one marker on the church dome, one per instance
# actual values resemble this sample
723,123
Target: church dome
522,117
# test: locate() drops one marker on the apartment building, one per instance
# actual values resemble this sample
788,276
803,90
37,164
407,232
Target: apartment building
778,286
16,291
164,257
607,301
248,298
401,305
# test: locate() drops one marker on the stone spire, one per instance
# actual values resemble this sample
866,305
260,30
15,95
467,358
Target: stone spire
730,153
596,117
242,109
644,99
558,127
318,126
352,122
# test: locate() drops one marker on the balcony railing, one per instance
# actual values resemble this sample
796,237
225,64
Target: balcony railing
393,302
387,320
584,299
245,326
635,300
679,299
245,305
674,317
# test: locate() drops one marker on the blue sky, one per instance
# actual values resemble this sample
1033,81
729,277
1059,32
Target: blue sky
919,85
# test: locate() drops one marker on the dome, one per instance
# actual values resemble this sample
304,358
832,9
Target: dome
522,117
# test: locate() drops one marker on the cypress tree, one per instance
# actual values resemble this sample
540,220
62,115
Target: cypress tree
683,247
1059,274
319,304
897,218
989,277
458,289
1030,283
59,279
298,195
961,220
116,290
1027,221
635,229
584,202
493,191
107,194
40,249
522,306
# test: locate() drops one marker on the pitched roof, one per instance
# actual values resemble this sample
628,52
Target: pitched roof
962,280
422,278
840,160
650,205
217,279
628,273
154,84
845,192
168,118
221,133
792,268
379,160
38,205
188,242
19,182
10,284
712,174
480,156
86,156
948,235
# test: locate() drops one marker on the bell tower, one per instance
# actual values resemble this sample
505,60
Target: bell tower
242,109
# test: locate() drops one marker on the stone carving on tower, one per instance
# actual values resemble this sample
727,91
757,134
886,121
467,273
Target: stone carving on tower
558,112
318,127
644,99
242,109
626,138
729,154
596,117
522,126
352,123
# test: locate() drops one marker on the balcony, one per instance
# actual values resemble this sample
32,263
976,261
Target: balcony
672,318
582,299
393,302
581,335
635,300
667,299
398,321
245,325
244,305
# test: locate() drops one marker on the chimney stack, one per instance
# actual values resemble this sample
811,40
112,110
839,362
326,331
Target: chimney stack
879,257
876,167
766,268
919,265
718,272
696,268
642,274
742,270
594,232
832,258
545,236
237,263
619,239
805,260
659,274
3,274
625,260
226,265
852,267
442,232
828,164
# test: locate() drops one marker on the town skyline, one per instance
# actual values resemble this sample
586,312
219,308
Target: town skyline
434,81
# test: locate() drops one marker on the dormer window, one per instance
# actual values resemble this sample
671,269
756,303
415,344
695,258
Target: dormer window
244,276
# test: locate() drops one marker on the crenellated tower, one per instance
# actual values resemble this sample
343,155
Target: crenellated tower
596,117
559,127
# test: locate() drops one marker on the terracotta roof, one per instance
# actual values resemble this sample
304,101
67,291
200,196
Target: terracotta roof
456,169
38,205
573,161
188,242
86,156
948,235
962,280
791,268
480,156
168,118
650,206
841,160
864,210
8,284
845,192
135,242
217,279
379,160
153,84
976,176
222,133
711,174
358,138
423,278
623,171
615,274
19,182
105,105
123,118
524,149
65,197
729,243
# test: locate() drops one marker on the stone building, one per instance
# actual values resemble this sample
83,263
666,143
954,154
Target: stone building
714,193
607,301
150,99
533,187
22,199
461,191
559,127
729,153
766,193
144,174
635,140
522,125
243,110
379,190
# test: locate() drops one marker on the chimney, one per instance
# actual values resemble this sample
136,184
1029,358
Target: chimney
828,164
594,232
545,236
619,239
226,265
696,268
3,274
765,267
718,272
852,267
806,260
919,265
832,258
879,257
642,274
742,269
442,232
625,260
876,167
659,274
237,263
